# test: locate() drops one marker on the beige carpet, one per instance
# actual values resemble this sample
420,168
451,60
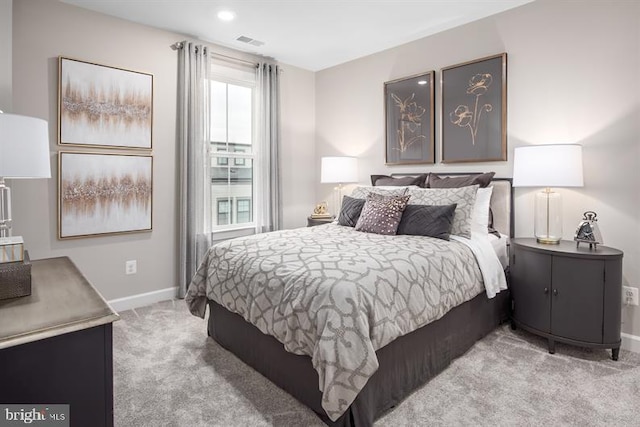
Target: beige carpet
167,372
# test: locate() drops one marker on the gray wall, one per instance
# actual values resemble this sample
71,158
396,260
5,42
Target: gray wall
572,77
44,29
6,26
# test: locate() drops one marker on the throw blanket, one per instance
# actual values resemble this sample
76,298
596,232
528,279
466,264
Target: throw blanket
336,294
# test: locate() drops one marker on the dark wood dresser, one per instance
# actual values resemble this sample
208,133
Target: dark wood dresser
56,345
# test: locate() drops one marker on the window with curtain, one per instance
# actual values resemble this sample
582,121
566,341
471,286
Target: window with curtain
232,154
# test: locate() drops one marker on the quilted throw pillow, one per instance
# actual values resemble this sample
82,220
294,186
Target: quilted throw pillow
350,211
425,220
361,192
464,198
381,214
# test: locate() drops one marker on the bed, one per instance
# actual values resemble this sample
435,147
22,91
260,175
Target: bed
347,363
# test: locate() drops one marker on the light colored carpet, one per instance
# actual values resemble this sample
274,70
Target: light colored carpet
167,372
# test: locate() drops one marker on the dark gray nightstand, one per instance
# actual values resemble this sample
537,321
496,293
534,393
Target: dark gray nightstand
319,221
567,294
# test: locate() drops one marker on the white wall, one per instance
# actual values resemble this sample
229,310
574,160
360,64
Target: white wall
44,29
6,15
572,77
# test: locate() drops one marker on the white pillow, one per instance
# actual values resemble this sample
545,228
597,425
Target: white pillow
480,214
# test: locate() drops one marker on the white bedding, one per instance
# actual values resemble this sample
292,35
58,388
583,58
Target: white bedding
490,266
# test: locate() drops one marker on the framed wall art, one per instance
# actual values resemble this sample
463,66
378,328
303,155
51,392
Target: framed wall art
410,120
103,193
474,110
103,106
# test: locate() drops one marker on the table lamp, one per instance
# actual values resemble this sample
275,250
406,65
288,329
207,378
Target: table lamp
556,165
24,153
338,170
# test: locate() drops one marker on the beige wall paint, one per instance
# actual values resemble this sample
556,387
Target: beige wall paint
44,29
572,77
6,27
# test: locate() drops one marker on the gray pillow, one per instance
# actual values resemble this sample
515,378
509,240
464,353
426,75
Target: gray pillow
381,214
464,197
425,220
350,211
389,181
483,180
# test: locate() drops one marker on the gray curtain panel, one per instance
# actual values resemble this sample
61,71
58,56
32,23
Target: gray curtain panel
193,149
269,199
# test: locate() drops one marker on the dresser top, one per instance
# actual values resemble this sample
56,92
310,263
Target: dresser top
62,300
568,248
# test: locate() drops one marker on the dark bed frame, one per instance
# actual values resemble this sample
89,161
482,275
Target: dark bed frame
405,364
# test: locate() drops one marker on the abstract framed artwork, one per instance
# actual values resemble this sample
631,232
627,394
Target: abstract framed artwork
474,110
104,106
410,120
102,194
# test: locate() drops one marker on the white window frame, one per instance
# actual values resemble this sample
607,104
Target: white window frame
222,232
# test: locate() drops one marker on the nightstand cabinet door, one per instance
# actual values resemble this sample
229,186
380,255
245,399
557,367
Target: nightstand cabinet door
576,300
532,295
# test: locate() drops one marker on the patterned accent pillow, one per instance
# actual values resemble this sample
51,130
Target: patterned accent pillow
381,214
350,211
425,220
362,191
464,197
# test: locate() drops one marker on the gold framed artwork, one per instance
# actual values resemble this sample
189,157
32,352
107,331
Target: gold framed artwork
410,120
102,194
474,110
102,106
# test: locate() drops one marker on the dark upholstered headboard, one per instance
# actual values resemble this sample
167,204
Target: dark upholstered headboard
501,200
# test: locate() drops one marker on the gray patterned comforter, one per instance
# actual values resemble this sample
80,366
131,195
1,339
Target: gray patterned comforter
336,294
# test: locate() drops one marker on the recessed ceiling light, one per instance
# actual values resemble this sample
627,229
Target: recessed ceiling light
226,15
422,82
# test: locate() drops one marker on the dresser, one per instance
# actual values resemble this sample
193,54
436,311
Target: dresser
56,345
566,293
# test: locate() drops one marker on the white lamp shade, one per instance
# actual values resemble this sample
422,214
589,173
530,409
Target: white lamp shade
24,147
339,170
558,165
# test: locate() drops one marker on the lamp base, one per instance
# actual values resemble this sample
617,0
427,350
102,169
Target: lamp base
548,217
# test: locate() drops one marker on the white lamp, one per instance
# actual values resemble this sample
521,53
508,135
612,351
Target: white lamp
24,153
338,170
558,165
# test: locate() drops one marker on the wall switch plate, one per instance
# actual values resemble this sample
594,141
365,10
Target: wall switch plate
131,267
629,295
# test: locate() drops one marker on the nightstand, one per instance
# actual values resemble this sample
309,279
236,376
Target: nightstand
567,294
319,221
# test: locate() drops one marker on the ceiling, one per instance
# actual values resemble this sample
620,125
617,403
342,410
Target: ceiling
310,34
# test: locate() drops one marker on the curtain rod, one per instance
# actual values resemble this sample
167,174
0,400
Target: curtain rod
179,45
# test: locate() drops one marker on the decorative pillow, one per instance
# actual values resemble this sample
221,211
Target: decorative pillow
378,180
464,197
350,211
480,215
483,180
362,191
425,220
381,214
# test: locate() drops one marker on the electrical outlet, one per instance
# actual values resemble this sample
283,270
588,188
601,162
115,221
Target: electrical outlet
629,295
131,267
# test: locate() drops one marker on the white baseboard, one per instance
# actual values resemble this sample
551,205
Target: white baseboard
630,342
140,300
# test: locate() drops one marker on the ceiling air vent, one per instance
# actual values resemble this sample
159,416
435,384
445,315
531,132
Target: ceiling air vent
249,40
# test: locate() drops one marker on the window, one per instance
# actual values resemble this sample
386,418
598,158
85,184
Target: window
223,211
232,154
243,209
